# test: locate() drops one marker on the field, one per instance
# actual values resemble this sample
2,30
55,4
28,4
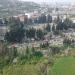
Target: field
64,66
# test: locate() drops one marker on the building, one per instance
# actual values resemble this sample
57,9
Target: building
23,18
2,29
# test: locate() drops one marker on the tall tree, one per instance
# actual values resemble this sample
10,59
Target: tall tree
48,27
49,19
16,33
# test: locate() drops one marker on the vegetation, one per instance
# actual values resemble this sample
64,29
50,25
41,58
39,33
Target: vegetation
16,30
22,70
33,62
64,66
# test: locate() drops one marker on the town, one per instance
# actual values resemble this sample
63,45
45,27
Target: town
45,23
37,39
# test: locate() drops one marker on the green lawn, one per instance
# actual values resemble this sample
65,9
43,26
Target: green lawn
64,66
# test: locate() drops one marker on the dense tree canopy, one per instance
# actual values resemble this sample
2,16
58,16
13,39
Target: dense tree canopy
16,31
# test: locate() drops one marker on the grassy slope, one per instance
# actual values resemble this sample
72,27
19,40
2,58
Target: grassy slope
24,69
21,70
65,66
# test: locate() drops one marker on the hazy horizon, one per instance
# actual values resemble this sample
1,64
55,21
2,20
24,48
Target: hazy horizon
65,1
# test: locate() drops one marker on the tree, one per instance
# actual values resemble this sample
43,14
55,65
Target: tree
60,25
42,19
63,25
67,41
12,53
27,51
49,19
33,50
35,20
3,48
48,27
30,33
25,19
67,24
17,31
30,21
40,34
5,21
56,32
57,20
55,50
53,28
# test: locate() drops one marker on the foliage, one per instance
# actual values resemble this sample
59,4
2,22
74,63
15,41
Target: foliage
42,19
30,33
22,70
40,34
55,50
16,33
48,27
33,33
56,32
64,24
67,41
31,55
49,19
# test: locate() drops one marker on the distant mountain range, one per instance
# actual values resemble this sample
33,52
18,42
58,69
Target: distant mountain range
15,7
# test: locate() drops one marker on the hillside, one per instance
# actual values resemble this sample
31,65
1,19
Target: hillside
12,7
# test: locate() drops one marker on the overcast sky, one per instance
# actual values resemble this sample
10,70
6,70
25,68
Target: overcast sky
51,0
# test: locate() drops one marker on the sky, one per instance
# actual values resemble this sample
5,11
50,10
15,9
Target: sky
51,1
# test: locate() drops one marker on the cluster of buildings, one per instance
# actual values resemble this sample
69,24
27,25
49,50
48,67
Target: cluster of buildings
70,34
57,41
